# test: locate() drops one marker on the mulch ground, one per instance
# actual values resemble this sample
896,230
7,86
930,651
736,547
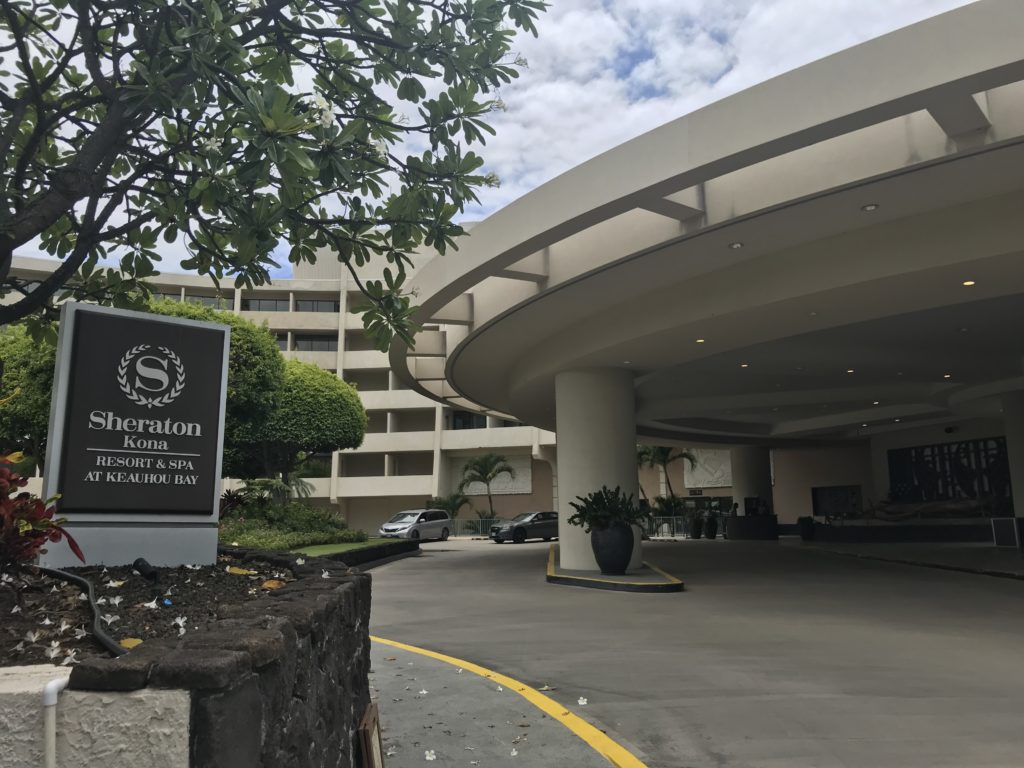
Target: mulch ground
44,620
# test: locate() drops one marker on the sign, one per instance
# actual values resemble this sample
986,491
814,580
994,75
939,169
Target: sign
137,418
696,492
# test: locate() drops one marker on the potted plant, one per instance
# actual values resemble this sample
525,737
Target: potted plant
608,516
696,525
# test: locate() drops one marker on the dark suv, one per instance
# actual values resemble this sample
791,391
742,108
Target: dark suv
529,525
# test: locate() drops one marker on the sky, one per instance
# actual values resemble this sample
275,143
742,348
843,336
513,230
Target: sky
604,71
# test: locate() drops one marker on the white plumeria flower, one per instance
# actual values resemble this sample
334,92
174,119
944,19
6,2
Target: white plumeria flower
116,601
300,561
114,584
83,596
16,609
179,622
33,636
45,622
514,752
101,601
429,755
64,626
19,647
582,701
391,752
69,658
53,651
104,571
181,631
54,588
150,604
325,574
6,578
500,689
459,671
109,618
423,692
193,567
80,633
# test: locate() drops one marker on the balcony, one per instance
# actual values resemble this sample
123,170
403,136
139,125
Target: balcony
408,485
397,442
294,321
394,399
365,359
328,360
497,437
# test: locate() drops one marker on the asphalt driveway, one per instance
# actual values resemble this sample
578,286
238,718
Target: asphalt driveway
774,656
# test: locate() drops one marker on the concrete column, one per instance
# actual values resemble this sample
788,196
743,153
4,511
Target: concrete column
751,474
1013,418
596,424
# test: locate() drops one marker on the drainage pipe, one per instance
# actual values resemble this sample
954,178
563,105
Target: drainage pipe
51,692
109,644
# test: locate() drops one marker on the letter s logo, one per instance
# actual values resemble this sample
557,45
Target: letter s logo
151,373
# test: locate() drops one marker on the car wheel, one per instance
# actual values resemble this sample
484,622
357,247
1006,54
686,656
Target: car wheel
414,535
444,534
519,536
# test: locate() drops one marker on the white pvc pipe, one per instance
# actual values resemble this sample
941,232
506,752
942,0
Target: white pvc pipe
51,692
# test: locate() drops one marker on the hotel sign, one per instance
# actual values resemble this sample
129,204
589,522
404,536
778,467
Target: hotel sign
138,414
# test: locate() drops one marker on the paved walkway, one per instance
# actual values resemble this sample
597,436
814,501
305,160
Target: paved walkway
774,657
433,711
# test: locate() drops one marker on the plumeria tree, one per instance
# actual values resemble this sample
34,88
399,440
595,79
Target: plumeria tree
241,129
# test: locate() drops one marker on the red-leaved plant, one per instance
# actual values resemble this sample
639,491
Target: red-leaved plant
26,521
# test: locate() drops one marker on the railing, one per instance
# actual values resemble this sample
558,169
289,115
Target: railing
471,526
656,527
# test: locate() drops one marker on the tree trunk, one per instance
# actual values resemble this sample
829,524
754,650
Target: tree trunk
668,481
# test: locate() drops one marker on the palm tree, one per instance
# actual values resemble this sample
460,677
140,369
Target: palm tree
450,504
485,469
643,459
662,456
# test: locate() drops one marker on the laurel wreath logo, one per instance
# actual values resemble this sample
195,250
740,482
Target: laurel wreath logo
136,397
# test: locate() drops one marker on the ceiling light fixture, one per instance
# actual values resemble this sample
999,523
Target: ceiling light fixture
863,425
849,370
736,245
744,365
870,207
968,283
700,341
947,375
875,402
896,420
627,362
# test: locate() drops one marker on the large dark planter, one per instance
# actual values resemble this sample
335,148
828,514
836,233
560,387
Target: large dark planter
711,527
696,527
806,527
613,548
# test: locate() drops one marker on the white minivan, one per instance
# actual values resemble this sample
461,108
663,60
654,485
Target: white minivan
418,524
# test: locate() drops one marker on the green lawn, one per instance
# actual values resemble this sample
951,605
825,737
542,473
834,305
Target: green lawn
330,549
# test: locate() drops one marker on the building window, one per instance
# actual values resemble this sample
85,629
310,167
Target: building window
164,296
214,302
282,341
313,343
317,305
265,305
468,420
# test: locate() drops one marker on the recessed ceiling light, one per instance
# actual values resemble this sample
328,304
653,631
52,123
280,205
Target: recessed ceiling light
849,370
627,362
700,341
814,314
736,245
896,420
968,283
744,365
875,403
947,375
863,425
870,207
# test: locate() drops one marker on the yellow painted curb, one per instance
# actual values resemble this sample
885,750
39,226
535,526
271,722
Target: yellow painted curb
596,739
670,579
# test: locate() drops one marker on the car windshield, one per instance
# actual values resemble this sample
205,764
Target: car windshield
404,517
522,517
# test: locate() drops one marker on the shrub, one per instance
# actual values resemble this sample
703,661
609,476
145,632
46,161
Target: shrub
260,523
27,523
606,508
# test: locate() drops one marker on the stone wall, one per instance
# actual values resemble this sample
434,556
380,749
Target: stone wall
278,682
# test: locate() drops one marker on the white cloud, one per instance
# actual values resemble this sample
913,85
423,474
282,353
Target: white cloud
603,71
